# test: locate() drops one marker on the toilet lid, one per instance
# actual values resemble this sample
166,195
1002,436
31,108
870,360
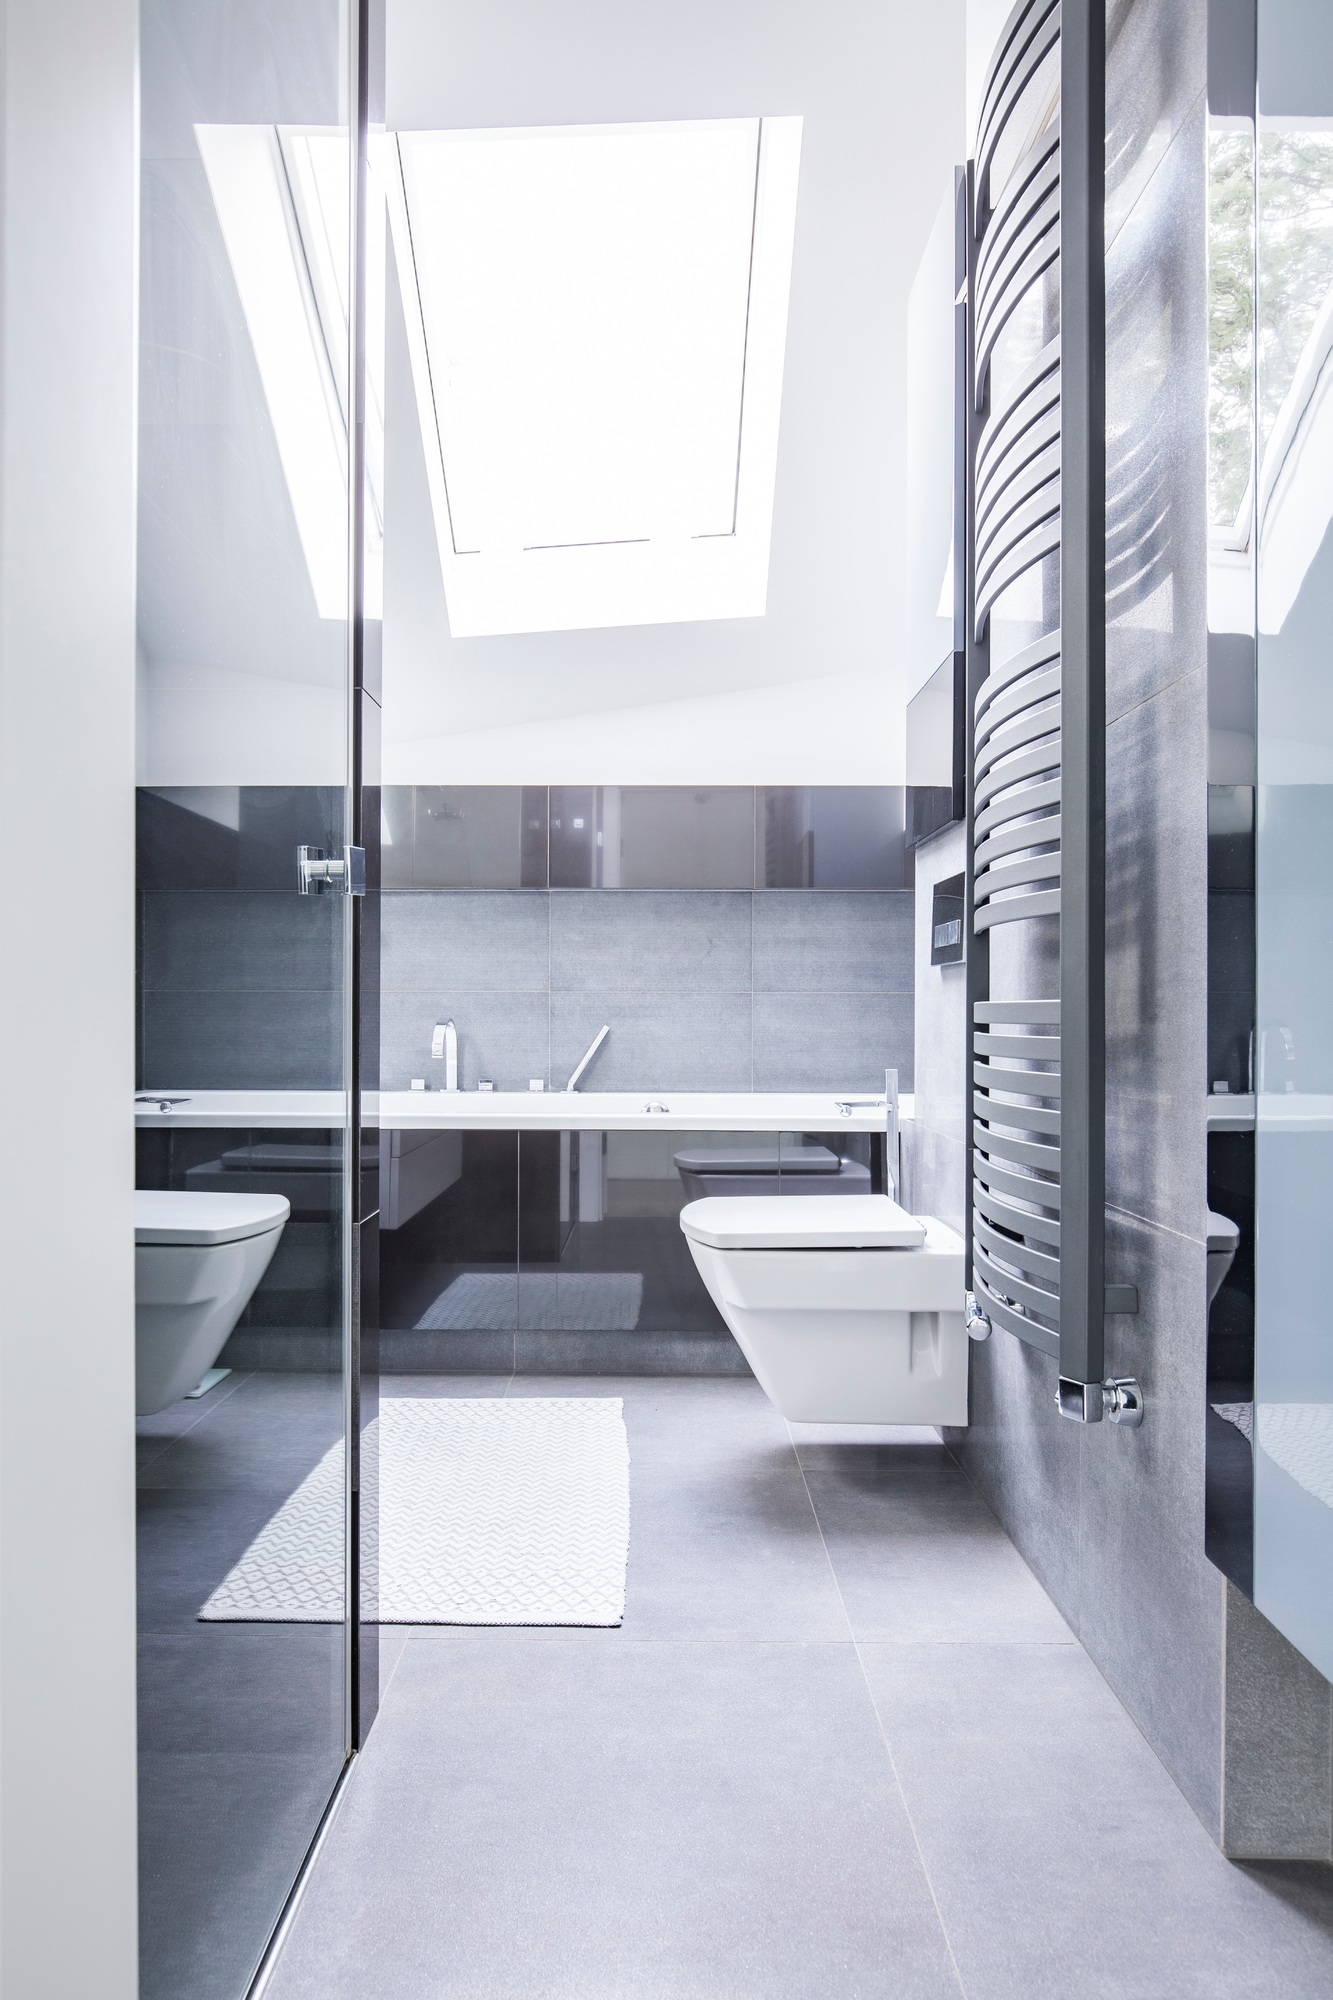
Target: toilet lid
170,1216
730,1160
802,1222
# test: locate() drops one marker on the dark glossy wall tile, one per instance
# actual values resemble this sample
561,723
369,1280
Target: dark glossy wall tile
238,940
644,837
243,1040
831,837
233,837
673,837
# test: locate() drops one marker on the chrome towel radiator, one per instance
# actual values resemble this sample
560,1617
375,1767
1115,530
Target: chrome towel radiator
1036,1083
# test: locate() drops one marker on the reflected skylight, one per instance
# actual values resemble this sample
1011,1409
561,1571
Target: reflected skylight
282,199
597,323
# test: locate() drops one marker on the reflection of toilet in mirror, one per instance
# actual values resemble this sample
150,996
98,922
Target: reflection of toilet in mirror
732,1171
849,1310
197,1260
1223,1242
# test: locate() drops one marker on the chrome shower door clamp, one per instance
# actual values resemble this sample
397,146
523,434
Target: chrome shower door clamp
317,871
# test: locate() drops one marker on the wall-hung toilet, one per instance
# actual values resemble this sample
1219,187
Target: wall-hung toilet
785,1170
1223,1242
849,1310
197,1260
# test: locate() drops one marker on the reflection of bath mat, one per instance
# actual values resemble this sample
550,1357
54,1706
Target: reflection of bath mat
1299,1438
568,1301
490,1513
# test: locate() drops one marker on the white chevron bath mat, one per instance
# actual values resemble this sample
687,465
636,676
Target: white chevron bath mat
490,1513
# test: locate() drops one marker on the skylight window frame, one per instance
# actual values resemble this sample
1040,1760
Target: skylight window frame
267,197
646,580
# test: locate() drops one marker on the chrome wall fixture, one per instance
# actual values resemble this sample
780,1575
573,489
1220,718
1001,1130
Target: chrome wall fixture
1035,1091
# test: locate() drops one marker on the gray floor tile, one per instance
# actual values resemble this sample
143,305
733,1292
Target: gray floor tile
645,1820
264,1438
917,1554
443,1385
718,1557
1064,1859
242,1689
723,1542
220,1839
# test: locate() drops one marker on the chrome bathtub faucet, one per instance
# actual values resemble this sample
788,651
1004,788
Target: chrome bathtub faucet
593,1047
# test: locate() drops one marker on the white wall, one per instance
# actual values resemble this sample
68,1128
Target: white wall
985,19
930,440
67,372
813,692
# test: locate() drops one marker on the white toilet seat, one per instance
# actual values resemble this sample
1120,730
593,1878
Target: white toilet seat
802,1222
167,1216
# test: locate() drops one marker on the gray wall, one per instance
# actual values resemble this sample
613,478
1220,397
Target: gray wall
68,105
934,1152
240,978
704,990
1112,1520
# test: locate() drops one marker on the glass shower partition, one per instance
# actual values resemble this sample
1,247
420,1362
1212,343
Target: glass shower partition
1293,508
258,557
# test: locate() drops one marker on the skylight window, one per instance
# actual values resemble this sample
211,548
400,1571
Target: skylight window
597,323
282,199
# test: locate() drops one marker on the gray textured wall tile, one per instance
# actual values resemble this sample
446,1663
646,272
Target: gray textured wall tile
831,1041
938,1176
1156,958
500,1035
693,1042
243,1041
1156,68
466,940
1151,1609
1156,394
1279,1743
231,940
656,965
808,940
661,941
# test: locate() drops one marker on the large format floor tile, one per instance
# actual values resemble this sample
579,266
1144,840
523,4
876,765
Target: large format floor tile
634,1818
917,1553
843,1745
1064,1859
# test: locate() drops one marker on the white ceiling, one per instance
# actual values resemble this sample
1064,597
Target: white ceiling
817,685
